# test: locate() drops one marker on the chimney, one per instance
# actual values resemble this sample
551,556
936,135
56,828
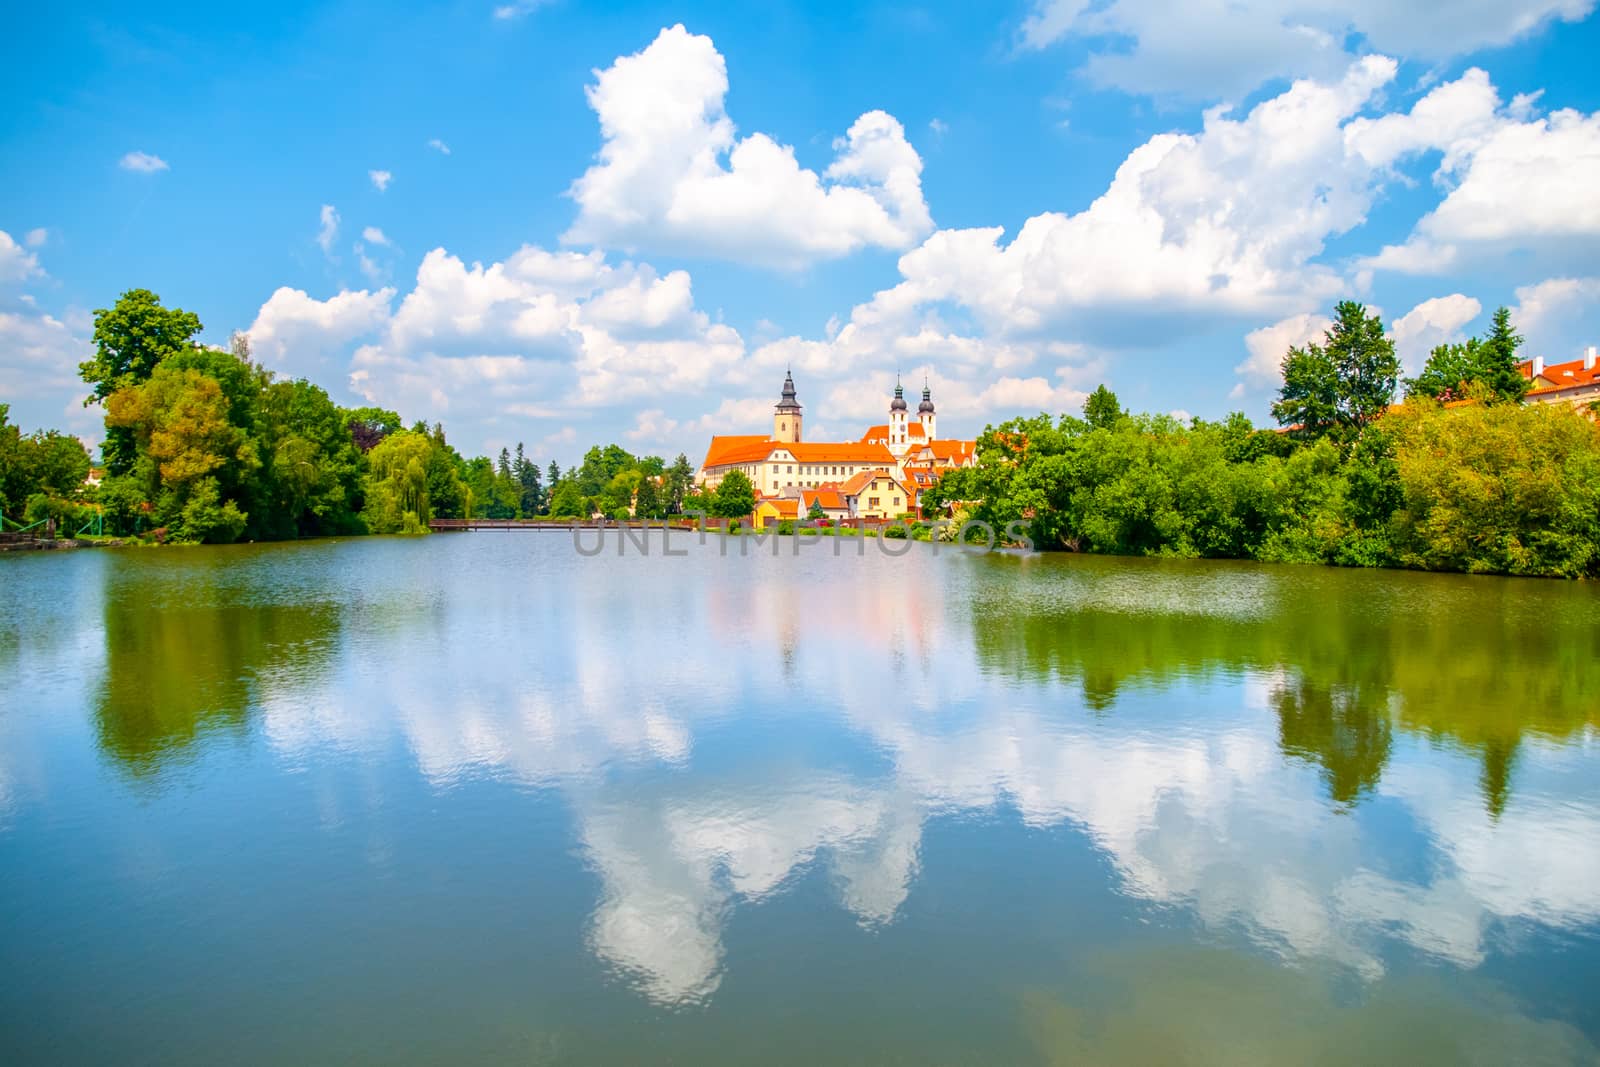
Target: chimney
1588,359
1538,366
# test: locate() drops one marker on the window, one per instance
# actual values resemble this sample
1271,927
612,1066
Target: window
790,470
872,501
896,501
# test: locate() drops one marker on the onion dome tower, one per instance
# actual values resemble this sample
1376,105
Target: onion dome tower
925,412
899,436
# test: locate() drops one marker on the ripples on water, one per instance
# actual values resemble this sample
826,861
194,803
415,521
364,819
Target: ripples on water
479,797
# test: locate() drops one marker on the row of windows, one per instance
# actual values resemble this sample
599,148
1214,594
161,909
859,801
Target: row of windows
818,468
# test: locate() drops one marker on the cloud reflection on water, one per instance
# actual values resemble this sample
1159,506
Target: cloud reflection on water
1186,786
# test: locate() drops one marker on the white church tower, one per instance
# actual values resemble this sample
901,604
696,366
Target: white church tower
925,412
899,435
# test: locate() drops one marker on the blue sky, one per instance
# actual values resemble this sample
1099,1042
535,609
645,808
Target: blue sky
621,221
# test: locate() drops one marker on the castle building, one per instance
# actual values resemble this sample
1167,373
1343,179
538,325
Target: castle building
894,461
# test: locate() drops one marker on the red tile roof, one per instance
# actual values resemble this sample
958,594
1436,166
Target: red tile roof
881,431
953,451
828,496
1558,376
786,507
848,452
855,485
736,448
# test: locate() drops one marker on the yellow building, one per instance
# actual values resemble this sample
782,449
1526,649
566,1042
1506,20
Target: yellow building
876,495
773,510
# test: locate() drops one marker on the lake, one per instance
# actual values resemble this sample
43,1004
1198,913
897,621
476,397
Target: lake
482,798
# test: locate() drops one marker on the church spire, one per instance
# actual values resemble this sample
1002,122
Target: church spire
786,417
788,402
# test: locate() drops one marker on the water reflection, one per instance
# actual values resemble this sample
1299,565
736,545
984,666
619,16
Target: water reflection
1218,753
197,666
1322,769
1470,662
1200,1006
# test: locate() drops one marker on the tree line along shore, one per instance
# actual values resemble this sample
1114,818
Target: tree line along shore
205,445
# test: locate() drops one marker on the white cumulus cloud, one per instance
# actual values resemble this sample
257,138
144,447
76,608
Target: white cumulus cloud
294,332
673,174
380,179
1268,345
1430,324
1221,49
1512,181
1225,221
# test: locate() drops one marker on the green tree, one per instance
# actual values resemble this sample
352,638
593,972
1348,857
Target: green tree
735,496
618,493
131,338
13,489
1490,363
191,460
530,494
310,484
647,499
600,465
1102,410
1308,400
1342,384
815,512
567,500
1497,488
369,425
44,463
447,492
1498,366
676,483
397,484
1450,368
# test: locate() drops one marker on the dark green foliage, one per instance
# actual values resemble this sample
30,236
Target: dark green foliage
647,502
734,498
1102,410
566,501
368,426
1495,488
676,483
131,338
1343,384
1498,360
1488,367
1449,372
530,494
44,462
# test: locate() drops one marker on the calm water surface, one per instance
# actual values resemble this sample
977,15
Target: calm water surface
478,798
